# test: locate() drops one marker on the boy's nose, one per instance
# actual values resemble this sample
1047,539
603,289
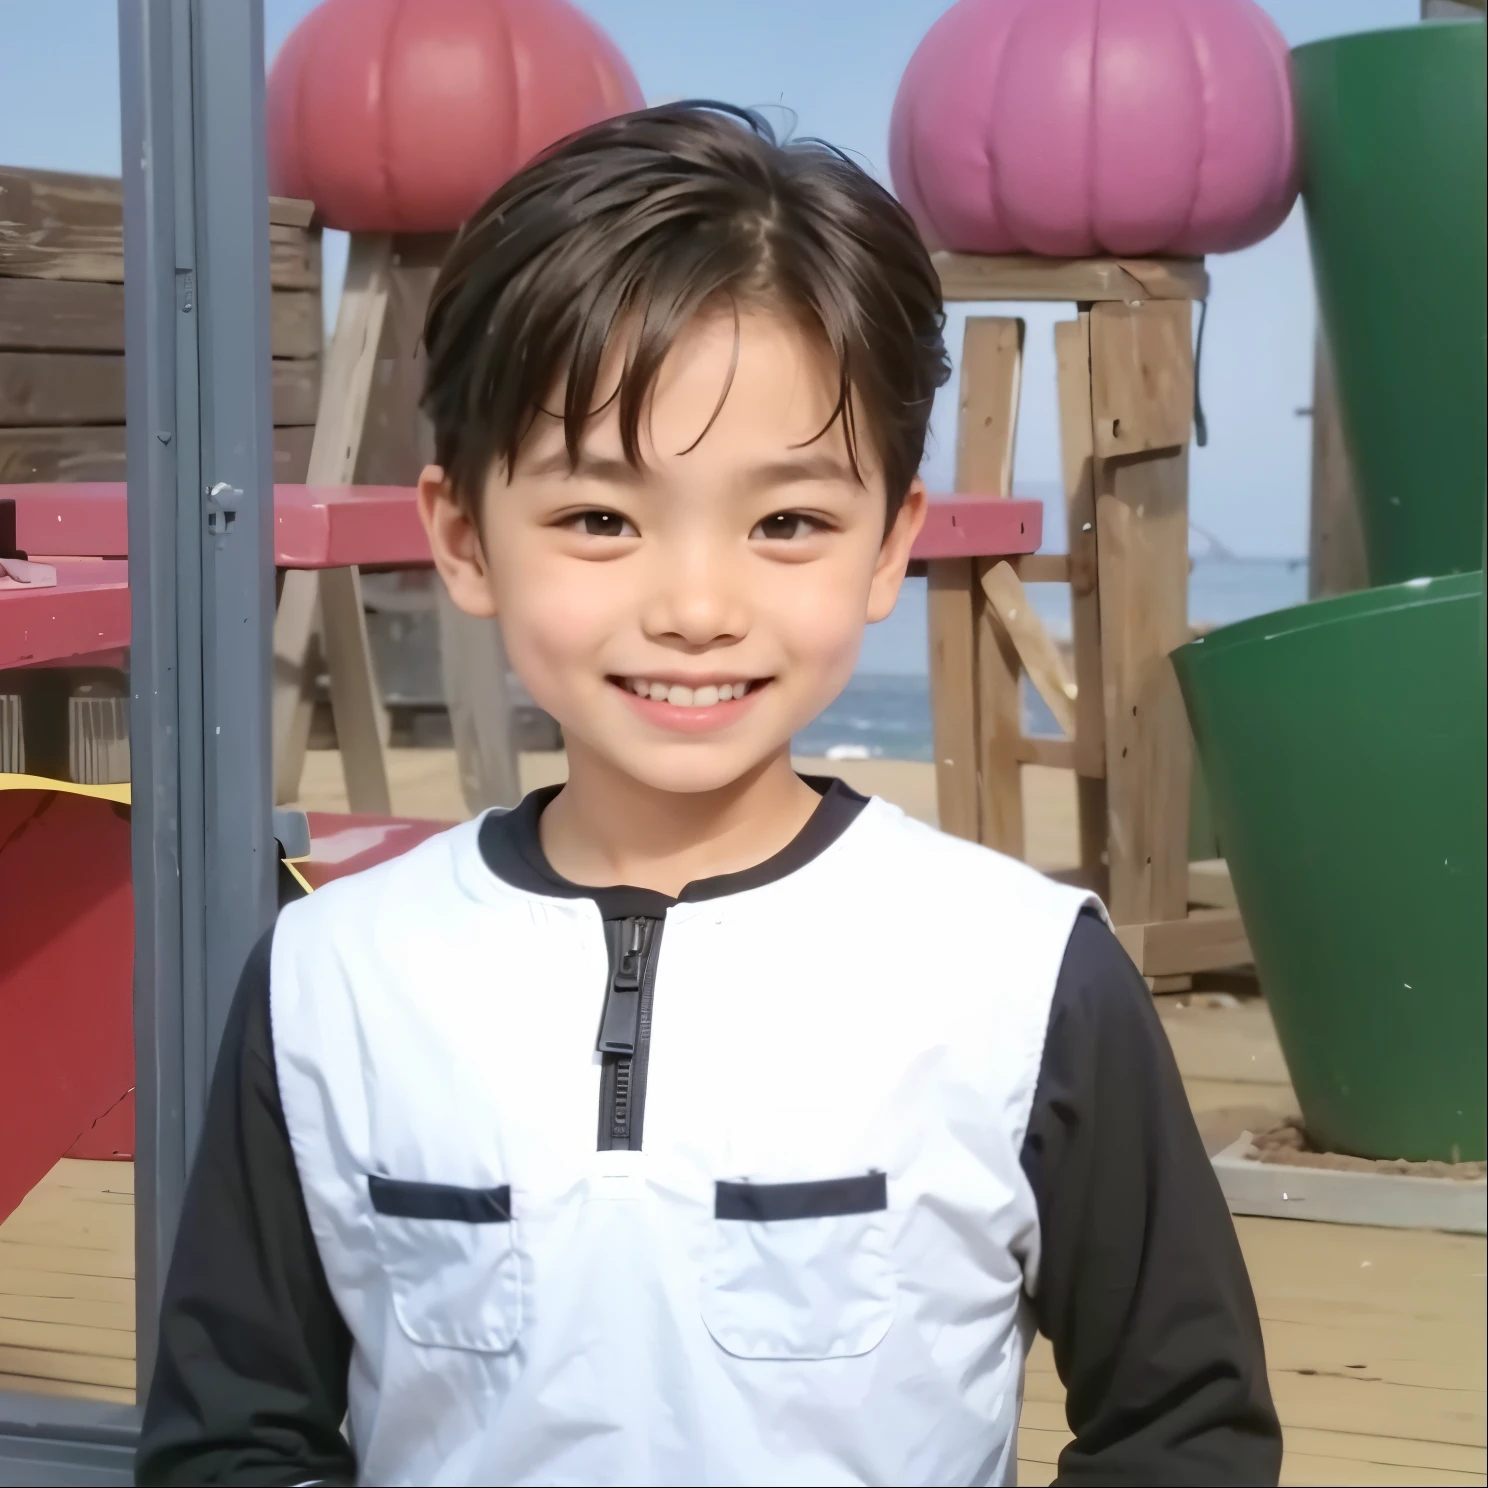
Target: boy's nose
694,602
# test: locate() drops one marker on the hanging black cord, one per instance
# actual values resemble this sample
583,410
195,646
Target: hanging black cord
1201,424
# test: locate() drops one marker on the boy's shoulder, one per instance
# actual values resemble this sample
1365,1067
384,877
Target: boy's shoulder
436,873
930,863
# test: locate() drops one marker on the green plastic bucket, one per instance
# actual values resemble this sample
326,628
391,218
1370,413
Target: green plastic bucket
1343,747
1392,132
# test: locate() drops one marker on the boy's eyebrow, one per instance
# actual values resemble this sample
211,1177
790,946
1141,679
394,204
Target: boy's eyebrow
762,477
595,467
816,467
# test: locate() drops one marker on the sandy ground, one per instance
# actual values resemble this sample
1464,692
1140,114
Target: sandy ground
424,784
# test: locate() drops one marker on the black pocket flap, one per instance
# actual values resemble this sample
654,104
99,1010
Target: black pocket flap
867,1193
403,1200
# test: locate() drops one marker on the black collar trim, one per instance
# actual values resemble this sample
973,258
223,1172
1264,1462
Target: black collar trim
512,850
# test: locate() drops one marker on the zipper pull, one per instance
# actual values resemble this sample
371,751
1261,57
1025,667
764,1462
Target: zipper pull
620,1025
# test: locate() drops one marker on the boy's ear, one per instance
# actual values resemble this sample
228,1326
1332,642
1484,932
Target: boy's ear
455,541
893,556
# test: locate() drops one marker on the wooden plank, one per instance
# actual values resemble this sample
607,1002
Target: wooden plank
290,211
1076,448
966,276
54,225
1141,376
70,388
1386,1451
54,315
1077,460
397,443
953,693
999,719
28,1385
1036,649
361,723
1206,940
1142,558
987,422
97,454
1336,562
1053,754
986,430
1209,884
1041,568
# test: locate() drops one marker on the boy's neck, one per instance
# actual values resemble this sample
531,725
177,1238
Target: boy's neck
606,828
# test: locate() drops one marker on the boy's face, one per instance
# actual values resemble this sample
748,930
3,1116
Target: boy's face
683,621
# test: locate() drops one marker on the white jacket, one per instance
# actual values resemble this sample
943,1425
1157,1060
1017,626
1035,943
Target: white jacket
814,1268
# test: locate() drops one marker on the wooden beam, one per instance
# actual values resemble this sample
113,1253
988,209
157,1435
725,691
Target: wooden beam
346,387
55,315
1077,461
999,719
1036,650
1041,568
953,689
39,388
1141,377
54,225
1042,749
968,276
986,431
90,453
1206,940
1336,562
1142,552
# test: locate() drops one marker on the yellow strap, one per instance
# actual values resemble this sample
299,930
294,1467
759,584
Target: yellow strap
118,794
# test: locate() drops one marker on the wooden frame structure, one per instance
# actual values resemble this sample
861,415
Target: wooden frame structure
62,328
1126,398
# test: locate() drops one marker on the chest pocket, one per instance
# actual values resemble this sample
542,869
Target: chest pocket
800,1270
451,1262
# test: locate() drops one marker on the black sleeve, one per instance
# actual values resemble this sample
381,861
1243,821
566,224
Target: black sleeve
1142,1288
250,1377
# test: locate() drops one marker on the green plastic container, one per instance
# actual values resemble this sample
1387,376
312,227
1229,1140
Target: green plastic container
1343,747
1393,146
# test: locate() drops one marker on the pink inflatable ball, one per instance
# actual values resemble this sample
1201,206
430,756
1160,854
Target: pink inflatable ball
1082,127
404,115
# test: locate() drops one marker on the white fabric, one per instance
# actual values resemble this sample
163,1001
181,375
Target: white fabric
883,1009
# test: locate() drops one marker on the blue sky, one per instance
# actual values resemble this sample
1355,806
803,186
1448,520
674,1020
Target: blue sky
835,64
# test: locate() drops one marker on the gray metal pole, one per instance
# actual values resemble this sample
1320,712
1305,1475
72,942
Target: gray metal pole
200,464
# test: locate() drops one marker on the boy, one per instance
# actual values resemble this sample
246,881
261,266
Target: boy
693,1122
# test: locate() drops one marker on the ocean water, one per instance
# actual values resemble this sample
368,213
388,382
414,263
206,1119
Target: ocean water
884,713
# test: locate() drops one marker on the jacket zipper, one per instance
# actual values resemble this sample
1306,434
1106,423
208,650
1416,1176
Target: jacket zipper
625,1033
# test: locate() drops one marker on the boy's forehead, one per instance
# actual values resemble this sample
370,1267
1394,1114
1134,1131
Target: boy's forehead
761,386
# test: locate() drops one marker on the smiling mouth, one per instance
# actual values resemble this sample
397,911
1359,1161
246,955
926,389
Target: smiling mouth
680,696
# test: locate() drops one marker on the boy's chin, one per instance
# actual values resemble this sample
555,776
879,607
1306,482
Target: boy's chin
692,769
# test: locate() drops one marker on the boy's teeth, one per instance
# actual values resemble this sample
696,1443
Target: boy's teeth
688,697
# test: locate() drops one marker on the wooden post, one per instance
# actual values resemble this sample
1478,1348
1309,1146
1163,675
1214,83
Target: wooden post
1077,460
1335,560
973,665
1141,361
953,694
398,443
1037,653
346,387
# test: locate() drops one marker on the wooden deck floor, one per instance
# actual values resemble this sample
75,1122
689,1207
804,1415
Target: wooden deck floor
1375,1338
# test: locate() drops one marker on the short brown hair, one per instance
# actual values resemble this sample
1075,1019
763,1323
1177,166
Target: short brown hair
632,226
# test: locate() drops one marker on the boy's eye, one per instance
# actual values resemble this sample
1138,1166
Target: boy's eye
787,526
601,524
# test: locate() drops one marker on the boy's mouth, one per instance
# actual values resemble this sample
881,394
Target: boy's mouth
679,695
